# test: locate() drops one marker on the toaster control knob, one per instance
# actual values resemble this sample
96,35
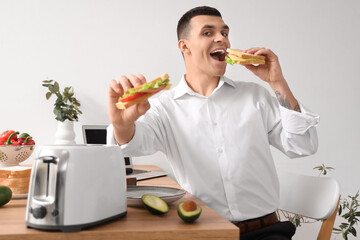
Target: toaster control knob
39,212
55,212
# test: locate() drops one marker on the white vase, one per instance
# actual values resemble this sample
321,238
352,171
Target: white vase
65,134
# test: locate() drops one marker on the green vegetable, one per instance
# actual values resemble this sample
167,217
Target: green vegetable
229,60
5,195
155,204
24,135
189,211
146,86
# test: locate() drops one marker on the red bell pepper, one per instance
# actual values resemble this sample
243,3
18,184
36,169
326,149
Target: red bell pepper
12,140
21,140
14,143
26,141
10,137
5,135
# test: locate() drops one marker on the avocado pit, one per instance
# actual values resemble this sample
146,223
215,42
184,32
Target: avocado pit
189,211
189,206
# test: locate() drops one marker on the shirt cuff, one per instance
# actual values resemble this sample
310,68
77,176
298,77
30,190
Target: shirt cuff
110,137
132,147
298,122
128,148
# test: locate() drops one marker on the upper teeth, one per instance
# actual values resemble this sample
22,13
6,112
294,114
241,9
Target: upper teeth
219,50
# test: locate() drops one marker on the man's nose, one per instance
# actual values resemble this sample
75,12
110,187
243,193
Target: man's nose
219,38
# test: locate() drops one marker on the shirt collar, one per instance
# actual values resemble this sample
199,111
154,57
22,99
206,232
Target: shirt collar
183,88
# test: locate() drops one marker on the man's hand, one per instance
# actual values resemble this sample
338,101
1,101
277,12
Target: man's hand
271,73
123,120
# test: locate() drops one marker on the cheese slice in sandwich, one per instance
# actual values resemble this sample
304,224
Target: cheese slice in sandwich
239,57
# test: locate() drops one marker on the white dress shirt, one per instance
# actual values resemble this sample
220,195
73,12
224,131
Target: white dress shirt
219,146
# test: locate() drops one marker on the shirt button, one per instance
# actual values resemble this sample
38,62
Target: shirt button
215,123
219,150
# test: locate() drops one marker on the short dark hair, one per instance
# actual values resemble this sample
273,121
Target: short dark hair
184,22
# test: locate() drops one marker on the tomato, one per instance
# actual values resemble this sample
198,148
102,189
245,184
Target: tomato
132,97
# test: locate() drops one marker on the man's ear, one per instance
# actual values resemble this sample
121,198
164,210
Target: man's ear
183,46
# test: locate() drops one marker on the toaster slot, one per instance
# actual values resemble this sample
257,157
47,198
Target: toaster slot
45,181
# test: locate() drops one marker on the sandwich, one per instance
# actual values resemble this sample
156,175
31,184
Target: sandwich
239,57
142,92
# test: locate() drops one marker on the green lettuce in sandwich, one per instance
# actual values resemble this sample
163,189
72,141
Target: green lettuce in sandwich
141,93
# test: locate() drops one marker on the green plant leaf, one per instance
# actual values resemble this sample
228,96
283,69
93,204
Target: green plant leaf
352,230
345,236
344,225
48,95
56,86
52,89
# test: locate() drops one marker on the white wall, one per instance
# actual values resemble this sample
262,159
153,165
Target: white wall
86,43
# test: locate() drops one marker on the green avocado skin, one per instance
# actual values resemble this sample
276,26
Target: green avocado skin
155,205
154,210
188,217
5,195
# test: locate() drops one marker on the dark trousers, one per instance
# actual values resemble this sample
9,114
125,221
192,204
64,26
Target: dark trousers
277,231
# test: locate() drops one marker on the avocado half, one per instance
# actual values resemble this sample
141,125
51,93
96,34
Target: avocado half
188,216
155,204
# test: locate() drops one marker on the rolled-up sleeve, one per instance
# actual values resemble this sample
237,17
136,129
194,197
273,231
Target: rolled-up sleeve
295,134
298,122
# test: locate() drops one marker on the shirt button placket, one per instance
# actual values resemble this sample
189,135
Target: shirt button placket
222,158
224,167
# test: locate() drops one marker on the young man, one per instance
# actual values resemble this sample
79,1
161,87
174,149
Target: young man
216,132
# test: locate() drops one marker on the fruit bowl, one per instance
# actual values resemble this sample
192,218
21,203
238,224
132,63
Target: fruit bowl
13,155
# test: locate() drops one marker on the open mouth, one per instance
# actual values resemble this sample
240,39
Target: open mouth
218,54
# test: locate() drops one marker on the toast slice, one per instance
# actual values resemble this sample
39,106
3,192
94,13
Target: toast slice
244,58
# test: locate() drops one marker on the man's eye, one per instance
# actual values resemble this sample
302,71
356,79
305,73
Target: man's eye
207,33
225,34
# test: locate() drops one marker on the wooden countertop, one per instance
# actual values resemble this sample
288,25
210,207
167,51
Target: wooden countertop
138,224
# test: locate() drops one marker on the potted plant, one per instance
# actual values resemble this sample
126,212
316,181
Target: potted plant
66,110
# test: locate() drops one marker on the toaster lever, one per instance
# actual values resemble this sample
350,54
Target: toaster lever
48,159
